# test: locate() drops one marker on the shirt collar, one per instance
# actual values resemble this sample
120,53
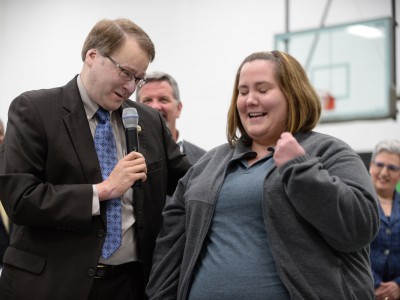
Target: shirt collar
90,106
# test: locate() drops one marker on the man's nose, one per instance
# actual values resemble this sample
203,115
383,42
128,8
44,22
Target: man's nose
130,86
156,105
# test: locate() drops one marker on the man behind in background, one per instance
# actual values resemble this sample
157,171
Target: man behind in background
161,92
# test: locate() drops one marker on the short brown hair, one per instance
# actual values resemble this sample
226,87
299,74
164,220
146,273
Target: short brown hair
304,107
107,36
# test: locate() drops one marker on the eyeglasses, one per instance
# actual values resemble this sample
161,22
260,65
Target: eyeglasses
127,75
390,168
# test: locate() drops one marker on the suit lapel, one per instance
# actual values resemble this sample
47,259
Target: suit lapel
79,131
78,128
395,216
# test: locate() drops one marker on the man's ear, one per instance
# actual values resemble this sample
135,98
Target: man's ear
179,109
90,56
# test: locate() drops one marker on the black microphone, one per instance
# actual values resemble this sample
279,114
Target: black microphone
130,119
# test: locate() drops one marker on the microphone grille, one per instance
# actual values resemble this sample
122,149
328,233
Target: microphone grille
130,117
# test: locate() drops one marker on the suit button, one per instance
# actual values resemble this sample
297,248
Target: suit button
101,233
91,272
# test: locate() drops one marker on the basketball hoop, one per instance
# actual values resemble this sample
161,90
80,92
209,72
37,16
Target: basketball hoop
327,101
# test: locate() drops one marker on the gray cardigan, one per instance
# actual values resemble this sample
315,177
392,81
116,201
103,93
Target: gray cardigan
320,211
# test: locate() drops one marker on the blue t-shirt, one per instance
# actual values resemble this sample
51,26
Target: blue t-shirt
236,260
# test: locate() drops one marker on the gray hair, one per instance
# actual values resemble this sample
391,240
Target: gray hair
161,76
390,146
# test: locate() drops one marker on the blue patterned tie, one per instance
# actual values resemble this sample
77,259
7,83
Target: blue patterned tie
107,154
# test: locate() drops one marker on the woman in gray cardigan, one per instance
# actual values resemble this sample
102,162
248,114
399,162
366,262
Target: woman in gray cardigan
279,212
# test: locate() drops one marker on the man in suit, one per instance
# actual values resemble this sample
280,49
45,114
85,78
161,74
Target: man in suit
52,184
162,93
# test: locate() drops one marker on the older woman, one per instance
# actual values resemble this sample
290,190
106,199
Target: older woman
278,212
385,249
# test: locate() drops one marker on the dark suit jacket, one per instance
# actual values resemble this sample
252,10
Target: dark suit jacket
48,164
193,152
